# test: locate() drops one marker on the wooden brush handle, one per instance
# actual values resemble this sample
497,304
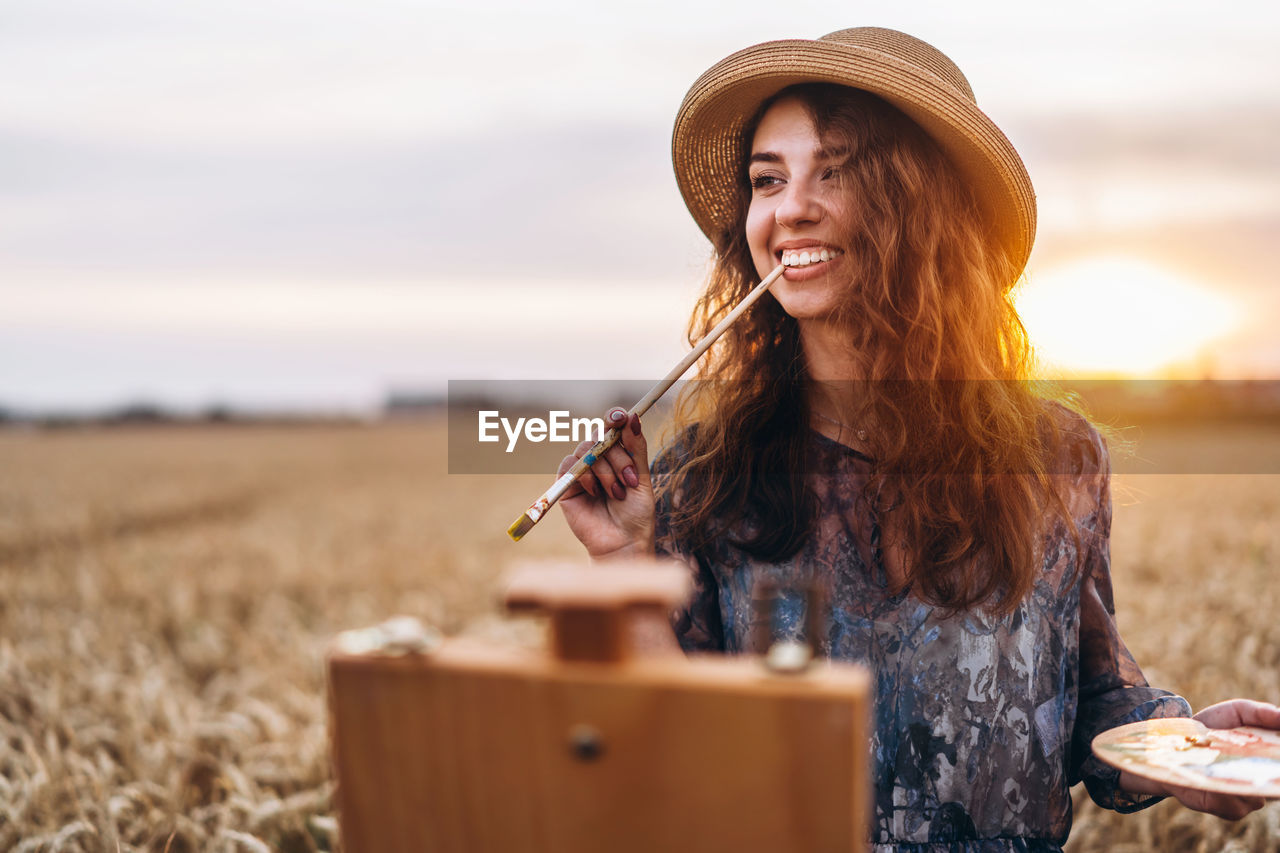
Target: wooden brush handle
539,507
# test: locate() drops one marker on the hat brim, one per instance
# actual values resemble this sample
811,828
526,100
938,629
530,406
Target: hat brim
706,142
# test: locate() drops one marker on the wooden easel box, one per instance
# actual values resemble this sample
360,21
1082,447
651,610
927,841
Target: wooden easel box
473,748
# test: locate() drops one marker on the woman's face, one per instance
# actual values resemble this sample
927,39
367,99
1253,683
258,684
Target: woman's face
799,205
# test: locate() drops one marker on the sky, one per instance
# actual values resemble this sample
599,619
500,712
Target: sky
308,205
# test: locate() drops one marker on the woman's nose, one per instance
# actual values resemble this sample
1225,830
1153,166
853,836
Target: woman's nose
800,205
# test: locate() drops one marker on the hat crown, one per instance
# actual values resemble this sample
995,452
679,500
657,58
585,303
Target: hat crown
908,49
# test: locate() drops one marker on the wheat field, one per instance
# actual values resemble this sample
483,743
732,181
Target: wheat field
167,595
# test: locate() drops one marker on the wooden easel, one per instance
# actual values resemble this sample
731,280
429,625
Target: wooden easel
598,745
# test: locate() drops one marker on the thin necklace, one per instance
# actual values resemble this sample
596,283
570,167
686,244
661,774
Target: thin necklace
860,433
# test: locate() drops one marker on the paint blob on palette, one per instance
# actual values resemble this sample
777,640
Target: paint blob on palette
1244,761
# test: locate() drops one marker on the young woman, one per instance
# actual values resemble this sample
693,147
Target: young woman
869,431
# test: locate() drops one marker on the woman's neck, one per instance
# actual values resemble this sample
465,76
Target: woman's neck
827,354
835,373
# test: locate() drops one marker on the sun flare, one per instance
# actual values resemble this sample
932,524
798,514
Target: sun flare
1121,316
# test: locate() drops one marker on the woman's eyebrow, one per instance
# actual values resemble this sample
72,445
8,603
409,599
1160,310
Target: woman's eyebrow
838,153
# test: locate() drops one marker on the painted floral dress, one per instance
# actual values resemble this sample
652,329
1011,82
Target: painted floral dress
980,725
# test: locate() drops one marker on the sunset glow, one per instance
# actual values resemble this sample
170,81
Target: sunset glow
1119,315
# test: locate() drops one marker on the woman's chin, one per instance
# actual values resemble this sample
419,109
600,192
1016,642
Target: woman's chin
806,307
814,298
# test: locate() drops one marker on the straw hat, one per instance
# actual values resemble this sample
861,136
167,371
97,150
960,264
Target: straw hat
913,76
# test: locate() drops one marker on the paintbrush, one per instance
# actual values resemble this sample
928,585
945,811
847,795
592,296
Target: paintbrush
538,508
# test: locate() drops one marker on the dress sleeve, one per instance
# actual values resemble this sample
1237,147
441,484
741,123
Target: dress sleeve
1112,690
696,623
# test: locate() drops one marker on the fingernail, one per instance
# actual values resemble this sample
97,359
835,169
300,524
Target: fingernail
617,415
619,492
629,475
635,424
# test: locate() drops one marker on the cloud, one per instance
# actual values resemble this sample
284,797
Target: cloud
601,198
209,149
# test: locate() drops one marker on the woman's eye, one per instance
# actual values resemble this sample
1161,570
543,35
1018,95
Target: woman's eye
831,172
762,181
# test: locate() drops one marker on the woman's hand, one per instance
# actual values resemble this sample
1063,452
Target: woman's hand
610,508
1224,715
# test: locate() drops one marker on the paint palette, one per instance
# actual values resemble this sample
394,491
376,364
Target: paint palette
1182,751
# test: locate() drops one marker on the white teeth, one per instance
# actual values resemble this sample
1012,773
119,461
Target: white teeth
800,259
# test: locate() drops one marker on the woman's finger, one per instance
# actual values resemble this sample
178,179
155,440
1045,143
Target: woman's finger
630,456
1225,806
1241,712
585,483
608,468
615,470
620,461
638,448
610,484
578,487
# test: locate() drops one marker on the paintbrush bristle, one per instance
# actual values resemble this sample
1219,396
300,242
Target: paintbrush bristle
522,525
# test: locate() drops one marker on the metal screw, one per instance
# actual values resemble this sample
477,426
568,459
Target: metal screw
585,743
400,635
404,635
788,657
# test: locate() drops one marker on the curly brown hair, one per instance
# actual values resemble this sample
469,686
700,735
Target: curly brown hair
962,440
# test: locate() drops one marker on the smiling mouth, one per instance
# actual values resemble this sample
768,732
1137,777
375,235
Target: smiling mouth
809,257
